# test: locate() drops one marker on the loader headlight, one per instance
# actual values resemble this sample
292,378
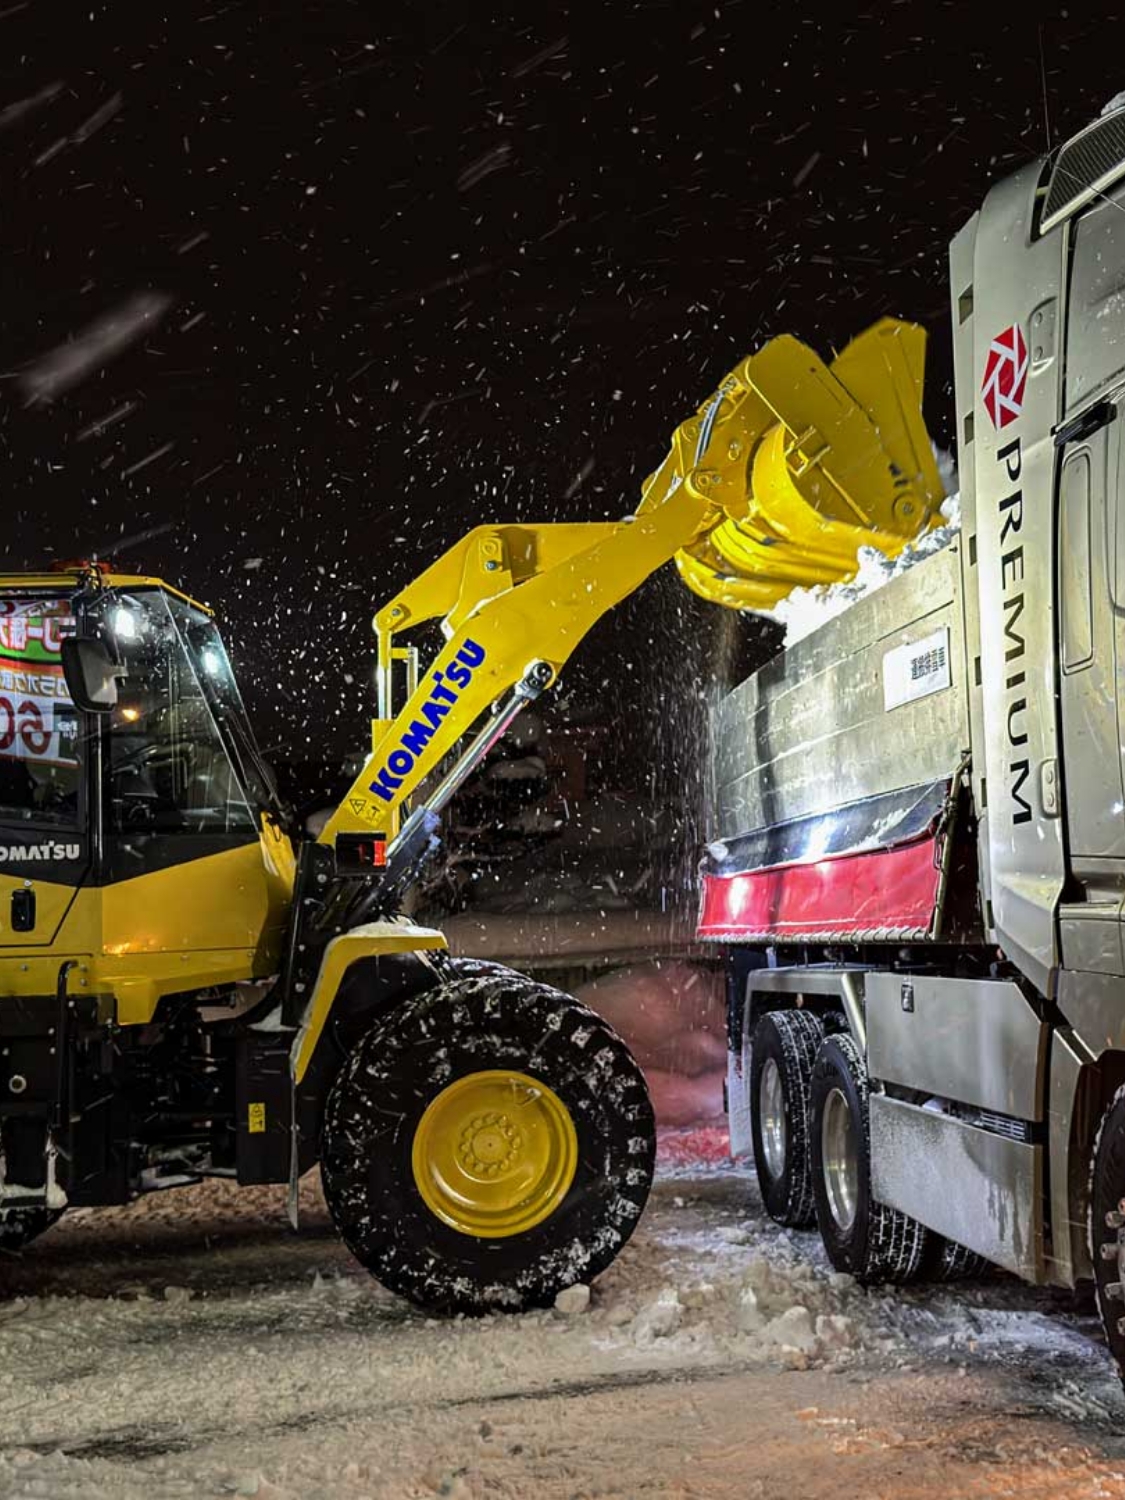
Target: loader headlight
125,624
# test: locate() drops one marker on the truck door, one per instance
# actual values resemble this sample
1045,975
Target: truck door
1091,639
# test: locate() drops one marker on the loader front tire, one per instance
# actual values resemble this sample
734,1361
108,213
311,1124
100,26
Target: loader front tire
487,1144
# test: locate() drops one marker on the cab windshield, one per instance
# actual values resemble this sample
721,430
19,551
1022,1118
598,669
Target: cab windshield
40,755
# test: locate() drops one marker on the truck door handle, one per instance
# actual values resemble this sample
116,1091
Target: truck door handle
23,910
1085,425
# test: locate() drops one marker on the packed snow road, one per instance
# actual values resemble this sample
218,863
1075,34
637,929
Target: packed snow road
192,1346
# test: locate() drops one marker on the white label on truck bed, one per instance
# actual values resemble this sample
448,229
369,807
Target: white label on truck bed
916,669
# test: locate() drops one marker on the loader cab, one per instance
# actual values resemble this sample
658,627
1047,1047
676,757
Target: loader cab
167,752
126,757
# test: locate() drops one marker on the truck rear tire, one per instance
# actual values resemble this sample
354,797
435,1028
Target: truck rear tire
1105,1225
487,1144
946,1260
866,1238
783,1050
19,1226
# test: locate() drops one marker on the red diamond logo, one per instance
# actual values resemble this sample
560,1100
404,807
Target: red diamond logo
1005,376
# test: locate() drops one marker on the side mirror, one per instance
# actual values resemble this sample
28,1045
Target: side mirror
91,674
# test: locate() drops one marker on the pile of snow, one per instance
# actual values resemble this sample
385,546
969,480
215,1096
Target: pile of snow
769,1312
742,1292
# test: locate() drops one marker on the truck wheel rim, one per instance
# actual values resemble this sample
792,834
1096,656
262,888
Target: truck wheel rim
840,1158
771,1118
495,1154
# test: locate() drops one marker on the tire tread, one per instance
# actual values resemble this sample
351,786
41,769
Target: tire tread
896,1243
798,1033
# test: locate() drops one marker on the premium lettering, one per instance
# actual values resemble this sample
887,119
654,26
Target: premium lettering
1012,601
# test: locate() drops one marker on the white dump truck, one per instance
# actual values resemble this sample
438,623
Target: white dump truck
917,857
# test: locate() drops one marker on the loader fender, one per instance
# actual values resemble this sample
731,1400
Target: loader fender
371,941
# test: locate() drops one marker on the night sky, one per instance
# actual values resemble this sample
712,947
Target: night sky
396,272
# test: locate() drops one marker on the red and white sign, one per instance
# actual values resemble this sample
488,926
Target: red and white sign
1005,376
37,719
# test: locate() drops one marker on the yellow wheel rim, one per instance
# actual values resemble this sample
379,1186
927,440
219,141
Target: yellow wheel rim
495,1154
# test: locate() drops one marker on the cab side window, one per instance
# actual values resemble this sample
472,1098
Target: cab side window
167,768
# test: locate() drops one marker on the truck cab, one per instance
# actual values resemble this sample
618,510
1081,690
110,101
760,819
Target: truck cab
917,858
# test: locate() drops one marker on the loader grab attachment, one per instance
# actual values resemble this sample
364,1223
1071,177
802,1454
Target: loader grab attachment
809,463
777,481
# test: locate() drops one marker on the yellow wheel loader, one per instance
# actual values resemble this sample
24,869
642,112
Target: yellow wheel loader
187,990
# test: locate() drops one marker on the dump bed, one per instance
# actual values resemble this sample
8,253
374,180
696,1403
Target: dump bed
832,770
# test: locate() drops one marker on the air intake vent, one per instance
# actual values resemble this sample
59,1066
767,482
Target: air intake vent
1086,166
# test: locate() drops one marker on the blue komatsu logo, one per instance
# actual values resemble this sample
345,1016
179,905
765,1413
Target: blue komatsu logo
448,687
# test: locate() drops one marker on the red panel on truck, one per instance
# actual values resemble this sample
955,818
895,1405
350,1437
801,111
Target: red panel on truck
888,892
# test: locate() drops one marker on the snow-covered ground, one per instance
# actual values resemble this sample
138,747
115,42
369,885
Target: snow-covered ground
192,1346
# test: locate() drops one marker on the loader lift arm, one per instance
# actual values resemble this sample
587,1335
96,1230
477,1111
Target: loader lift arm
777,481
